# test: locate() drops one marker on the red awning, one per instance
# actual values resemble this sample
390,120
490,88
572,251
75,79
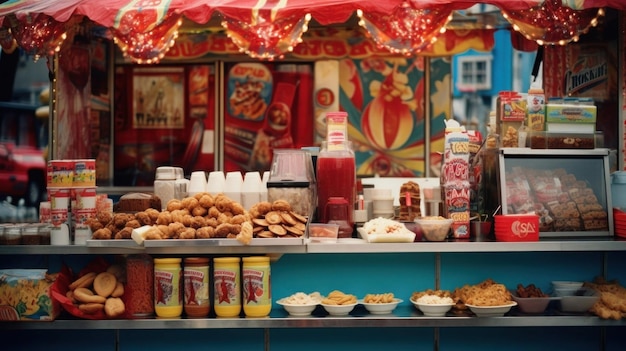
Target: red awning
136,23
106,13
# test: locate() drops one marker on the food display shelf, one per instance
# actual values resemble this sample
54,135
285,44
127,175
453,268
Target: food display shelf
404,316
231,246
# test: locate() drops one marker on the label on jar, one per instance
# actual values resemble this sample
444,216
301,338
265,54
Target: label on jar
256,285
226,286
167,287
196,289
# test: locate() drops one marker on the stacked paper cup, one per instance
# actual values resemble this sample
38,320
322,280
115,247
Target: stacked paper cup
382,203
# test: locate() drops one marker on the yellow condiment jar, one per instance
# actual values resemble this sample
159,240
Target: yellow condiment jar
227,288
168,297
257,292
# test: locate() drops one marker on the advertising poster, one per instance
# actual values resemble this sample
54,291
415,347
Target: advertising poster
385,101
267,107
164,116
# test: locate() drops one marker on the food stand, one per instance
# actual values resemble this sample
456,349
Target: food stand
360,269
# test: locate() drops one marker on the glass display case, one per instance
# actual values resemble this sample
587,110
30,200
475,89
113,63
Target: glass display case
568,189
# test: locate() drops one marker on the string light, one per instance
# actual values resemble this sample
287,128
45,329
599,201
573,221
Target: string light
266,36
38,34
552,23
151,46
407,30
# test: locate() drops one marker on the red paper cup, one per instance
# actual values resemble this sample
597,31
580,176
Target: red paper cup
518,227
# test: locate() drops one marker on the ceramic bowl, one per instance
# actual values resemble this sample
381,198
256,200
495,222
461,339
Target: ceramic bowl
298,309
339,310
491,311
433,310
381,308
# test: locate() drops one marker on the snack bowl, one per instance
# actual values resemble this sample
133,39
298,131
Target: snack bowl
532,305
298,309
491,311
434,228
559,284
339,310
580,301
381,308
433,309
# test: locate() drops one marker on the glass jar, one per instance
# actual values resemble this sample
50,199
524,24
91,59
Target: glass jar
257,292
336,177
168,299
165,183
139,288
30,235
226,285
196,287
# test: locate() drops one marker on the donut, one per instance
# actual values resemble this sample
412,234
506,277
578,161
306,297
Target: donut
91,308
83,282
104,284
114,307
86,296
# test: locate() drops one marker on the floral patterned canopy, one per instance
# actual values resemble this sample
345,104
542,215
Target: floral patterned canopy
146,29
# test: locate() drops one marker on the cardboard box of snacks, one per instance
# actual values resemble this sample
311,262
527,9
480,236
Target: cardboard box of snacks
25,294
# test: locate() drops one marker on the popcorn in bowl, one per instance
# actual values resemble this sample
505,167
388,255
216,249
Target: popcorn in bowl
434,228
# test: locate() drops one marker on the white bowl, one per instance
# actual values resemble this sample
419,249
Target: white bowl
433,310
579,302
339,310
568,291
532,305
491,311
381,308
560,284
298,309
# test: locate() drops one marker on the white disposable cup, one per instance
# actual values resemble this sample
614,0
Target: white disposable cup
381,194
383,205
197,183
251,189
216,183
232,185
368,194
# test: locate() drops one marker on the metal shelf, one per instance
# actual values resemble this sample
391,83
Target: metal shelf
230,246
404,316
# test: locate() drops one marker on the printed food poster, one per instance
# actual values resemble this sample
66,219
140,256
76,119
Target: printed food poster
385,100
265,109
163,117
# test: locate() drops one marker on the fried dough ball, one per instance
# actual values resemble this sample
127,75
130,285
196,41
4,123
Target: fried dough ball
223,230
175,228
165,218
199,211
237,208
223,218
205,233
102,234
198,222
133,224
120,219
177,216
206,200
154,233
238,219
165,231
111,227
143,218
214,212
187,220
281,205
153,213
173,205
259,209
104,217
94,224
124,233
223,203
211,222
187,233
189,203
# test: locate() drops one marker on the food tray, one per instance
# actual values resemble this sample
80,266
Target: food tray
128,243
387,238
223,242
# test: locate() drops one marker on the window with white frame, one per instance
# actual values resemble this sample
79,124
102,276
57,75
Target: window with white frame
474,72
